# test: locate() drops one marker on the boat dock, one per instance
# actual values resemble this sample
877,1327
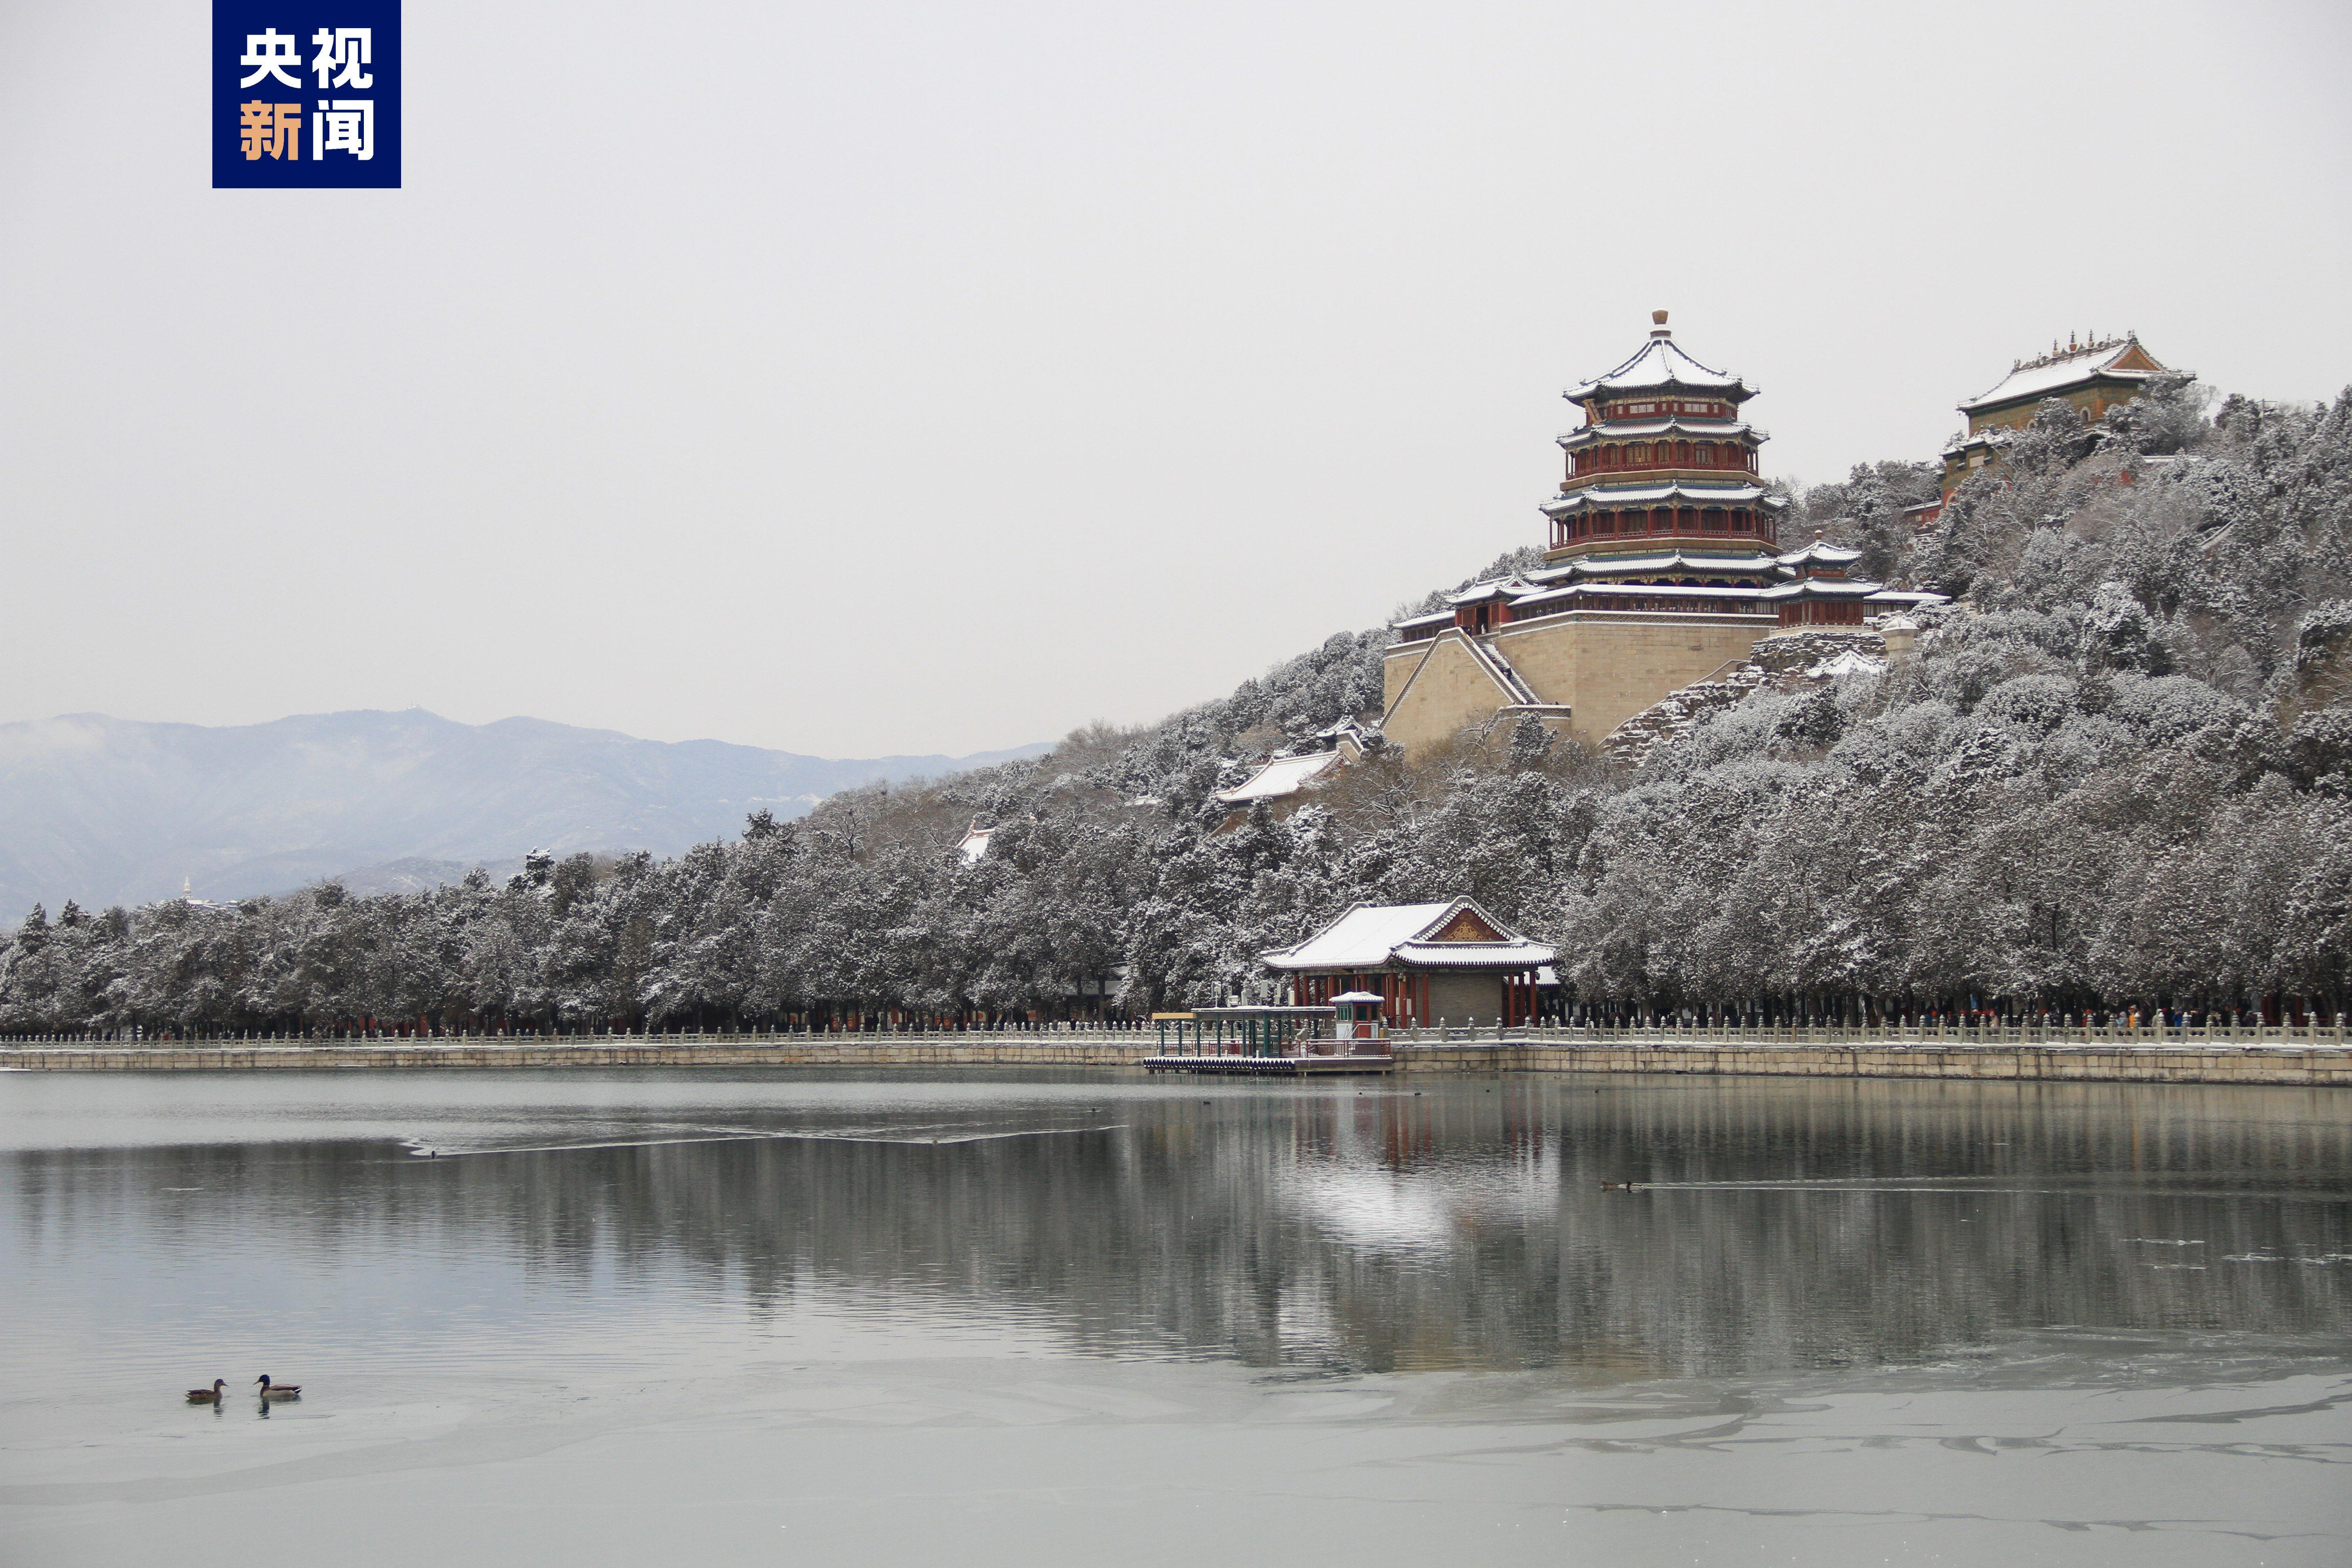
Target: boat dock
1271,1067
1272,1042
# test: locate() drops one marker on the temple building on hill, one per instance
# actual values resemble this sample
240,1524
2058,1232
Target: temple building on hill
2094,375
1664,569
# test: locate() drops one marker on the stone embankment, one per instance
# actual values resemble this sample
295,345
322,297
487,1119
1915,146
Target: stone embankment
2317,1054
2303,1054
1055,1050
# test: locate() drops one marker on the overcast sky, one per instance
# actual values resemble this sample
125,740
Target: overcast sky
867,378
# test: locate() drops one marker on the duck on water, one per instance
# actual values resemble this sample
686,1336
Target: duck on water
280,1390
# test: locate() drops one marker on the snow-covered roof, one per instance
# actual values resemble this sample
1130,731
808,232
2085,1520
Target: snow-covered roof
1282,776
1990,436
1428,619
1641,429
2055,373
1661,489
1493,588
1699,492
1821,588
975,843
1558,596
1755,566
1660,364
1370,935
1363,938
1820,552
1521,954
1359,996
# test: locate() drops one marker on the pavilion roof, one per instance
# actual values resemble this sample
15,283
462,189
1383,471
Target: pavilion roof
1752,563
2116,359
1823,588
1279,777
1493,588
1558,598
1698,491
1661,363
1641,429
1820,552
1370,936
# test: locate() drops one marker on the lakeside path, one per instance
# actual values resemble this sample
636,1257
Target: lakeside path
2300,1057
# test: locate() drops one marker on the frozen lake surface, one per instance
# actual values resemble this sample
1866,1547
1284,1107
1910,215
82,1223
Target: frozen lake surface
984,1319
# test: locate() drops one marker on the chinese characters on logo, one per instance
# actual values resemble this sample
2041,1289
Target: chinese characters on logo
269,52
272,128
339,125
306,94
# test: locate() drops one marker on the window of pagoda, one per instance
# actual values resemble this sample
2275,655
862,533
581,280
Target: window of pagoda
1661,520
1711,519
1638,453
1682,454
1742,523
1703,455
1609,457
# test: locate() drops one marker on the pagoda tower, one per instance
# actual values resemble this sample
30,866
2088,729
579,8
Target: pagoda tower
1662,461
1665,572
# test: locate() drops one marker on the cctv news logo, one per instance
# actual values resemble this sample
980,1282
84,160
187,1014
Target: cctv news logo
306,93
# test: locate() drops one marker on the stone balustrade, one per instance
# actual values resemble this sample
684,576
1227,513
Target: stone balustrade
2268,1054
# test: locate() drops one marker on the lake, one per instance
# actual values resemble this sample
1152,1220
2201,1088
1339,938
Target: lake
811,1317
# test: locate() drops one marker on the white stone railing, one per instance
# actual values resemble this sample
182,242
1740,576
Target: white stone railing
1885,1037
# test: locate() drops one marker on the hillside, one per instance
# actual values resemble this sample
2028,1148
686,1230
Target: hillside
107,811
2118,771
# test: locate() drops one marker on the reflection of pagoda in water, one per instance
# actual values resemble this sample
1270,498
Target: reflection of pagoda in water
1665,569
1465,1227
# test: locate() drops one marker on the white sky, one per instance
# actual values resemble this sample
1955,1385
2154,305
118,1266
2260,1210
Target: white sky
880,377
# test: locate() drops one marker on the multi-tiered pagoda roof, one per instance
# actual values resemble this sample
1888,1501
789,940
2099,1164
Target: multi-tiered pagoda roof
1661,457
1661,512
1661,366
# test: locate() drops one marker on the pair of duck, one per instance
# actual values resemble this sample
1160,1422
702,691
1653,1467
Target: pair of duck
268,1391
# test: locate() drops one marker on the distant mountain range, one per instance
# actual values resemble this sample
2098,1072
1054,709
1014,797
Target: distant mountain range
109,811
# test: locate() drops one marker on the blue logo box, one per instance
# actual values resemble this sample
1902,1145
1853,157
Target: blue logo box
306,93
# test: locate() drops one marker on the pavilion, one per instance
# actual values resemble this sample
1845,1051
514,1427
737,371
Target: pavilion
1442,963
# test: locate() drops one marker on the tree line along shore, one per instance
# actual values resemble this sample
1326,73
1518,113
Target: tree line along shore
2116,774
